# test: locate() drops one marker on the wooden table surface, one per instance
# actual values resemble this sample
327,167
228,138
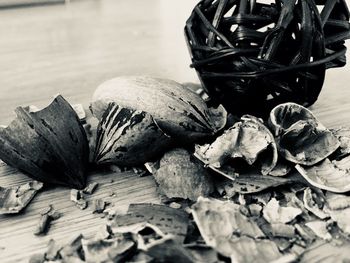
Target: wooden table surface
70,49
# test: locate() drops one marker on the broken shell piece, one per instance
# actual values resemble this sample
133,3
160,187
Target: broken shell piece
252,183
282,168
218,221
274,213
128,137
343,135
326,252
167,219
248,139
320,229
178,111
14,199
79,109
182,176
311,205
329,175
49,145
300,137
337,201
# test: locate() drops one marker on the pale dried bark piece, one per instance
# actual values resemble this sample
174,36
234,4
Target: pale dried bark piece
274,213
329,175
52,250
168,220
326,252
282,168
14,199
320,229
98,206
311,205
128,137
248,139
49,145
77,197
182,176
218,221
300,137
47,216
202,253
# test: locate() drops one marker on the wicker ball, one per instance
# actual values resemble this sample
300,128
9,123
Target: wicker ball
250,55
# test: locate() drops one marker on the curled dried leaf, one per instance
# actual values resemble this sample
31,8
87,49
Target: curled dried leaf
14,199
343,135
329,175
301,138
247,139
182,176
128,137
49,145
311,205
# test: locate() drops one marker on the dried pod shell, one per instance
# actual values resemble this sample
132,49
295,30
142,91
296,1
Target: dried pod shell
128,137
248,139
178,111
301,138
49,145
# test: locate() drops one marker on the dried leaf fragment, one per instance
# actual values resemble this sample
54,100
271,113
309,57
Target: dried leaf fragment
182,176
274,213
326,252
329,175
311,205
98,205
14,199
47,216
77,197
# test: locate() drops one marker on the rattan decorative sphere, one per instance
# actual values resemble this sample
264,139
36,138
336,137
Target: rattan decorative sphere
253,54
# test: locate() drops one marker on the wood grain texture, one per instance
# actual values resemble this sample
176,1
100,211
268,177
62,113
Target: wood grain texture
70,49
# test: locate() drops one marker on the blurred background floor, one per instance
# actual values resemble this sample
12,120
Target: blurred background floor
71,48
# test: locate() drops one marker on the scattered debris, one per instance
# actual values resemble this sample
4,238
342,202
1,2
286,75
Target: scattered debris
98,206
80,111
311,205
46,217
274,213
320,229
14,199
182,176
77,197
90,188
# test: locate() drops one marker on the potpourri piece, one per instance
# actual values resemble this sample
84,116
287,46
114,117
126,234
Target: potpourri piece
14,199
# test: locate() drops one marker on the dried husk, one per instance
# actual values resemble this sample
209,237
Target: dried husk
300,137
178,111
128,137
248,139
329,175
49,145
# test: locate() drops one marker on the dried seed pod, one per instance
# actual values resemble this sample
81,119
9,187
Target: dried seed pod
49,145
301,138
248,139
178,111
128,137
